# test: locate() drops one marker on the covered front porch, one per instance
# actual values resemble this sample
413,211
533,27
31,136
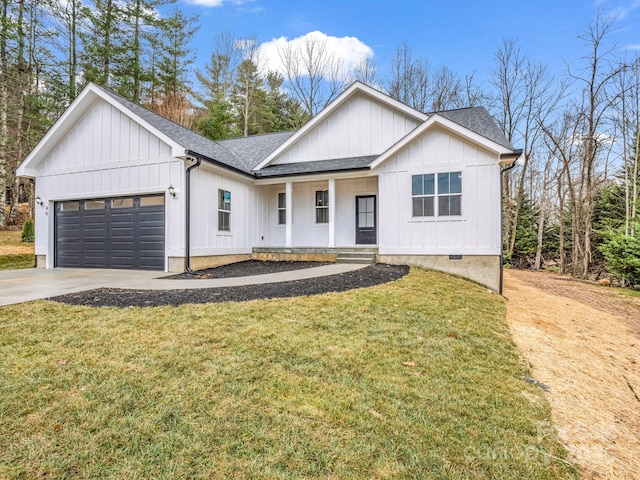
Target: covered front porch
323,216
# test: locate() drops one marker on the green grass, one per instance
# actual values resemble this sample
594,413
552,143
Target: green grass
309,387
12,238
16,261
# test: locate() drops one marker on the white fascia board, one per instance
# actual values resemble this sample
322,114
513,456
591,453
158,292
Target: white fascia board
436,119
353,90
71,116
314,177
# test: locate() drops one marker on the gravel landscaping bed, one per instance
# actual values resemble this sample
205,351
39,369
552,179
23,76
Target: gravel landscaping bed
245,269
117,297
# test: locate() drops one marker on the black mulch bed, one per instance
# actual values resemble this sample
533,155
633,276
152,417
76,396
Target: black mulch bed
245,269
117,297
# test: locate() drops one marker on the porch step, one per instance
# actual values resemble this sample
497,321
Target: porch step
365,258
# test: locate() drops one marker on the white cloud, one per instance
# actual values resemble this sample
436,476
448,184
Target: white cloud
218,3
631,47
350,50
622,11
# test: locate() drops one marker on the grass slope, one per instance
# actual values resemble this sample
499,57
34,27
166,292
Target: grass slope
14,253
310,387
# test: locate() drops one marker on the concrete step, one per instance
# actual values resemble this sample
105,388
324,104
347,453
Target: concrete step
362,261
365,258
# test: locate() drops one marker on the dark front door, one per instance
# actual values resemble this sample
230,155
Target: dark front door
366,220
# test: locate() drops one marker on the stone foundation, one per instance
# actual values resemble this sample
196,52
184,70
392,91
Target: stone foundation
41,261
482,269
178,264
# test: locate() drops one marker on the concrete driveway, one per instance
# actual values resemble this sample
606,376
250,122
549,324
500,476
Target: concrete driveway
17,286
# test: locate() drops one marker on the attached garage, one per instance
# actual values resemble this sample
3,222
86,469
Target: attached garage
121,232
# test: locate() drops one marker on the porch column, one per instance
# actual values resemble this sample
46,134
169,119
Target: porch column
288,195
332,212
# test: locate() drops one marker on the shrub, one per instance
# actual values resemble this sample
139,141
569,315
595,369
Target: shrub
28,231
622,254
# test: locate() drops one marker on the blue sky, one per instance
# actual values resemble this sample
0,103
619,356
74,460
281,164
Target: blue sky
462,34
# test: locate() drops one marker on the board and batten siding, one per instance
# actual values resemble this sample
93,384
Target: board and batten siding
306,233
107,154
361,127
475,232
246,213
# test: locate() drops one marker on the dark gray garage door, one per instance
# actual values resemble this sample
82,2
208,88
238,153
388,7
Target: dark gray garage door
125,232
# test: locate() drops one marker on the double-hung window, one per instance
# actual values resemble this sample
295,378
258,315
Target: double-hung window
282,208
224,210
322,206
436,194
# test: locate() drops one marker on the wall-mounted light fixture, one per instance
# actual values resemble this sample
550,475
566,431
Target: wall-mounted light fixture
172,192
39,201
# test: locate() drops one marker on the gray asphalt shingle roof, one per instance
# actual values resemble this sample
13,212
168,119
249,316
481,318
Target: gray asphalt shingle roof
245,153
478,120
301,168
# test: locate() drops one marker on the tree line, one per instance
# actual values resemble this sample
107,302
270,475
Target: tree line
570,203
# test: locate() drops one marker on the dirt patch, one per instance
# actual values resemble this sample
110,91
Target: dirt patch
244,269
583,342
116,297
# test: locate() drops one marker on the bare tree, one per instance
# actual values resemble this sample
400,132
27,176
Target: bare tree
410,79
366,71
595,77
313,74
526,95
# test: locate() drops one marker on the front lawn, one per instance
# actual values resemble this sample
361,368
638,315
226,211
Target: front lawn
417,378
14,253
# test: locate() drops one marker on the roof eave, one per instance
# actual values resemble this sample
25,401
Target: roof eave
447,124
219,164
355,89
71,116
510,157
318,172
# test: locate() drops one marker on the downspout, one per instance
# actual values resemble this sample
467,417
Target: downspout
188,214
502,171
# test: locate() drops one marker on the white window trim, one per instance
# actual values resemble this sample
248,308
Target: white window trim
222,210
436,196
281,209
320,207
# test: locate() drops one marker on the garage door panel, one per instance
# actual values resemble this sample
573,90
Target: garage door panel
124,233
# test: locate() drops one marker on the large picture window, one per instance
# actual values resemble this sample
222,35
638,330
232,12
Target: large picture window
437,195
322,206
224,211
282,208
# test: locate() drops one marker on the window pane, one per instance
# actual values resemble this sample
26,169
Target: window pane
94,205
220,199
282,217
416,185
282,200
418,209
455,182
443,206
443,183
151,201
428,206
370,220
322,215
455,205
69,206
122,203
429,184
223,221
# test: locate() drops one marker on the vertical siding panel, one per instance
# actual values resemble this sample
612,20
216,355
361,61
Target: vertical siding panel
125,141
134,150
